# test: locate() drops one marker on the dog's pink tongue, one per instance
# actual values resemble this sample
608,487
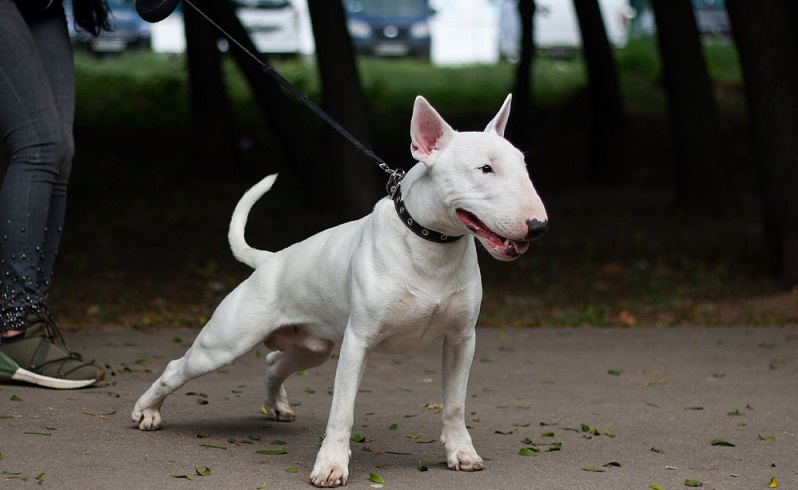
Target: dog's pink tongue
494,241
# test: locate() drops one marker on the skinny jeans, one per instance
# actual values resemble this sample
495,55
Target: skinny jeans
37,106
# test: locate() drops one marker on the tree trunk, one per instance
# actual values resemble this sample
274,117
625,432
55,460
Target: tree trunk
212,123
700,181
768,48
522,92
275,106
353,175
606,110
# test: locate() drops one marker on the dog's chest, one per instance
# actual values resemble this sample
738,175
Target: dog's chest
419,316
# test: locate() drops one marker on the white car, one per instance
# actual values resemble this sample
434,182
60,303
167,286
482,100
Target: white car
273,25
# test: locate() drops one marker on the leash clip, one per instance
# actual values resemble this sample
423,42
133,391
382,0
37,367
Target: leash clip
393,181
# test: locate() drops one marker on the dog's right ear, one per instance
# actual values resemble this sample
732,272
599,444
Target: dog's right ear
428,131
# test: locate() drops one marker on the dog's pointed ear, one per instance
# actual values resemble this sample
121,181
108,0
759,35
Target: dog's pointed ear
428,131
499,122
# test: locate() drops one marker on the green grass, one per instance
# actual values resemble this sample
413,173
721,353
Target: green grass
144,88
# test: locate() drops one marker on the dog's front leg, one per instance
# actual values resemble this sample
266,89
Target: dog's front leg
458,352
332,462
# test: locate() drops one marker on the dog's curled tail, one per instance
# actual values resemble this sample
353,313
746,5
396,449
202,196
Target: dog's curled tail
238,223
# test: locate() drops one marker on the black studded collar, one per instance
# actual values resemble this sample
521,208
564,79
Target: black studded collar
415,227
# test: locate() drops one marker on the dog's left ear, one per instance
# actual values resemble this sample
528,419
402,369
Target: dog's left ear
499,122
428,130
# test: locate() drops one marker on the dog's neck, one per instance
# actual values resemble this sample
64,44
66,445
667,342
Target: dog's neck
417,205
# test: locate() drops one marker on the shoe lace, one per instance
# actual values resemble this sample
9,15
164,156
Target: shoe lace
53,334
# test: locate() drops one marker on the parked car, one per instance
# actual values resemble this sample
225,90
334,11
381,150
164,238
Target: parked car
273,25
390,27
128,30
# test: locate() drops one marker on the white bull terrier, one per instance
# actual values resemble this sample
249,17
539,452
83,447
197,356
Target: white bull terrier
390,282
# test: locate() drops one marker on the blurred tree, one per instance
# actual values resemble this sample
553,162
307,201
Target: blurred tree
212,121
335,179
604,95
522,92
353,176
767,44
701,183
276,107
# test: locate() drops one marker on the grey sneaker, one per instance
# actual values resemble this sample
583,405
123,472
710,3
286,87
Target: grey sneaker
42,358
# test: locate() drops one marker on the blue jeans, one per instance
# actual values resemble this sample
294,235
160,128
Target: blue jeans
37,105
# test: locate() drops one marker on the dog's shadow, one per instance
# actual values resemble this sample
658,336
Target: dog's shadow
251,428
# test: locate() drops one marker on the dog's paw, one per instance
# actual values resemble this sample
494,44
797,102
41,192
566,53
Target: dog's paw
332,466
329,474
146,419
465,459
278,412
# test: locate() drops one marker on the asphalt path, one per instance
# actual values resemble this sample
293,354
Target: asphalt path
574,408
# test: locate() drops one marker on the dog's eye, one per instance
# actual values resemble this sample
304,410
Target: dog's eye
487,169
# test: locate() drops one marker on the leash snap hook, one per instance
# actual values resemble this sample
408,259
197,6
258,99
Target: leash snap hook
393,181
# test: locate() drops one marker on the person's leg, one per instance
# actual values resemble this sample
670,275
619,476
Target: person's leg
52,39
36,115
33,192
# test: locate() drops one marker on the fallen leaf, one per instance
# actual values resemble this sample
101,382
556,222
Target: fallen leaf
213,446
185,477
272,451
773,483
202,470
292,470
393,427
766,438
654,486
529,451
435,407
593,470
357,437
15,398
721,442
422,466
376,478
693,483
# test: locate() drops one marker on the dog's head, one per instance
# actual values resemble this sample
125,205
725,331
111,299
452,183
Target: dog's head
481,179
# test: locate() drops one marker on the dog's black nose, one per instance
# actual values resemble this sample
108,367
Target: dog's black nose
536,228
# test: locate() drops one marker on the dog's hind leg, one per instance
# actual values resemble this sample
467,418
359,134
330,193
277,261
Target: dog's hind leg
298,351
228,335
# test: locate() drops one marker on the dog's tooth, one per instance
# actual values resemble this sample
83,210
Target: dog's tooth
507,242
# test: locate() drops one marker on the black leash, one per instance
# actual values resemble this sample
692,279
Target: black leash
395,176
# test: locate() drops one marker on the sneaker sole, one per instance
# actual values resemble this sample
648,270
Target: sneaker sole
7,371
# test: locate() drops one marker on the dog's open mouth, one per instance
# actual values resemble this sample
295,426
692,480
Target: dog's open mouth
496,244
